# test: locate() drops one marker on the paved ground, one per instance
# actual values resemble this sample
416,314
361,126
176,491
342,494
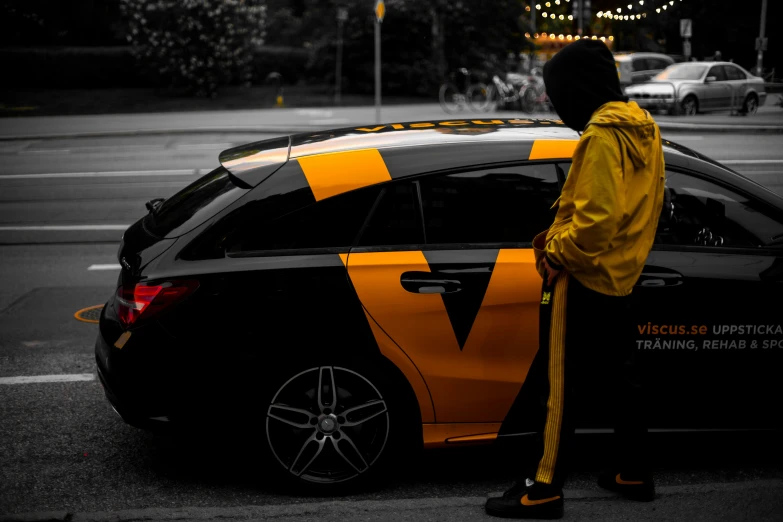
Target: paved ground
769,118
67,457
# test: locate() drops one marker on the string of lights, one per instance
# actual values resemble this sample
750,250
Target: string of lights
622,14
568,37
545,13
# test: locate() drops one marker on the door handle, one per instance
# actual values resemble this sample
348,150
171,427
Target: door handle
659,279
429,283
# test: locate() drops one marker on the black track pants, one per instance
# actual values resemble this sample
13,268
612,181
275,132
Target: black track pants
586,353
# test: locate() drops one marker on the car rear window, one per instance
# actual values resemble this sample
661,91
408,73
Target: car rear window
194,204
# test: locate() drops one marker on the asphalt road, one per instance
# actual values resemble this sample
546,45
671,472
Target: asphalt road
64,449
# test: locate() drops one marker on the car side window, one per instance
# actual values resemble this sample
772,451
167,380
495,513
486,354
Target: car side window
640,64
733,73
699,212
718,72
331,224
498,205
396,219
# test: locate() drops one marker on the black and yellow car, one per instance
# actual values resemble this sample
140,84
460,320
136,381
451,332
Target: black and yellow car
345,295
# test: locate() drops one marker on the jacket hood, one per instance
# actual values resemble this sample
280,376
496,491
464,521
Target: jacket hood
633,126
580,78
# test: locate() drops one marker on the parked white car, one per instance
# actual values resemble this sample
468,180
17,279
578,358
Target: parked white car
693,87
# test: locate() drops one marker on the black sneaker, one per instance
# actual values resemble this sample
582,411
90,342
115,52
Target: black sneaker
526,499
633,487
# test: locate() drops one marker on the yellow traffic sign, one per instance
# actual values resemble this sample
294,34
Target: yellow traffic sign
380,10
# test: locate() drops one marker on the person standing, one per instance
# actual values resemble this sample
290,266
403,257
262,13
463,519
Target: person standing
594,253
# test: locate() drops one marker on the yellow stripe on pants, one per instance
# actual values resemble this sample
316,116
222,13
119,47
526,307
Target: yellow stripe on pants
554,415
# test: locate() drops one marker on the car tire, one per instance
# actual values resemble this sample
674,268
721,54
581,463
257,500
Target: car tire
690,105
751,105
345,447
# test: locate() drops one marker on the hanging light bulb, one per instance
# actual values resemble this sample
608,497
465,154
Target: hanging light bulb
552,16
569,37
657,9
548,4
538,6
611,38
641,2
570,17
599,14
619,9
633,17
630,6
561,17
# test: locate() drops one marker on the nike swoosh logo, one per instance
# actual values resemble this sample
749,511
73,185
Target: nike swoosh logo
527,502
627,482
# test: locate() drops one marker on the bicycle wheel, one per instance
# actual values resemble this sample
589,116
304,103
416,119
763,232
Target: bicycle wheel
528,101
451,99
480,97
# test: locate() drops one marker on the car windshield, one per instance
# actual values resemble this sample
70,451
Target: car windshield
688,71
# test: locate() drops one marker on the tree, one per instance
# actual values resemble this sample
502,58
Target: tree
196,45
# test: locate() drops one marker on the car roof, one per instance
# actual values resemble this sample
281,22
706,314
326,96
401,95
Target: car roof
410,148
398,150
404,141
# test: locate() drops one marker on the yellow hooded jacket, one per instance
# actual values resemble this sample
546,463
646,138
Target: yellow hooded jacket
611,201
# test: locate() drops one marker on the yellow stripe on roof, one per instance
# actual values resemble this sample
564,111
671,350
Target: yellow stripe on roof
338,172
552,149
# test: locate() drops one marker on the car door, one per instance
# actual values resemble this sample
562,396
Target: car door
273,289
445,268
717,90
708,325
738,81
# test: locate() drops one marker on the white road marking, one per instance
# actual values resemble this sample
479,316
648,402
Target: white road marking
688,138
104,267
114,174
39,228
751,162
33,379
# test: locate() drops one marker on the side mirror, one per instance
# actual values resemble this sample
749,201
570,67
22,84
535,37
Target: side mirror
711,79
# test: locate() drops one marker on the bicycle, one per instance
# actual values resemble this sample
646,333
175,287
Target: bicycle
453,99
534,96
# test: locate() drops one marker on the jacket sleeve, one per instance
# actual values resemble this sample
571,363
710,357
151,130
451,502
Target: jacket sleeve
599,203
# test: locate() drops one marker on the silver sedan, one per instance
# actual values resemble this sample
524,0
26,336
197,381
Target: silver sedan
693,87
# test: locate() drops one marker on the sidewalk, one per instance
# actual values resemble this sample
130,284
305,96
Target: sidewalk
739,501
769,118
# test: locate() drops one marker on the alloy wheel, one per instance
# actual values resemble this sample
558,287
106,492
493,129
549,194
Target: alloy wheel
751,105
689,106
327,425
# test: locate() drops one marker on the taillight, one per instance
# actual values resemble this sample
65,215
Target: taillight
148,300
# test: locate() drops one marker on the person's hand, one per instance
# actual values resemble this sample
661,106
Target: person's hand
551,273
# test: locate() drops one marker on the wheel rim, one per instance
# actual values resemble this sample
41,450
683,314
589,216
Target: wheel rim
689,106
327,425
451,99
751,105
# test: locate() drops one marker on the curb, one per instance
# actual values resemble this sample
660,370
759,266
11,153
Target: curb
719,128
663,125
154,132
371,509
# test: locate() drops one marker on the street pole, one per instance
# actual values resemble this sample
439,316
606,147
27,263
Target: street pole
377,71
342,15
760,57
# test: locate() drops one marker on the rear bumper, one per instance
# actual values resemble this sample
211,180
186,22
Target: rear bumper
134,413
